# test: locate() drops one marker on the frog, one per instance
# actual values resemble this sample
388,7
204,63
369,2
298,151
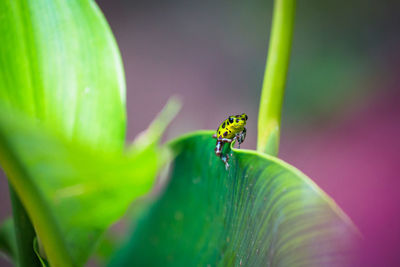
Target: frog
231,129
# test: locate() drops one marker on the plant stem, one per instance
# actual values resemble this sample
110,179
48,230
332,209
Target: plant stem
32,200
24,233
269,116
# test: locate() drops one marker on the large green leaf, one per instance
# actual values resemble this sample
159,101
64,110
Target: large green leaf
59,63
261,212
72,193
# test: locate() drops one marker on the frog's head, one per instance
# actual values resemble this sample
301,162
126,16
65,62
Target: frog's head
238,121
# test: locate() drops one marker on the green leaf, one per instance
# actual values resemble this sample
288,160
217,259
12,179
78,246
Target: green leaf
71,193
59,63
8,245
261,212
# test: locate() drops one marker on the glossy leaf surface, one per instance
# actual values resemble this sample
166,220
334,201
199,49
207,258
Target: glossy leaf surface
261,212
60,68
59,63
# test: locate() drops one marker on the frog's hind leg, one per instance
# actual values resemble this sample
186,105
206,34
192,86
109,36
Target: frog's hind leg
226,140
225,159
218,151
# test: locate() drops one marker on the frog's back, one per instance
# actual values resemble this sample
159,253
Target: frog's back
231,126
225,130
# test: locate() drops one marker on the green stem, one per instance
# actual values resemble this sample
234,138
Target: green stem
269,116
24,233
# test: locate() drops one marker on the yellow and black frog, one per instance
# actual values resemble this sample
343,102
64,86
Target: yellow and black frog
230,129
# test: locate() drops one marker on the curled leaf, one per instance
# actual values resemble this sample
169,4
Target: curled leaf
261,212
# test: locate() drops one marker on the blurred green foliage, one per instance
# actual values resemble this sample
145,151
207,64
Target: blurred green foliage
62,127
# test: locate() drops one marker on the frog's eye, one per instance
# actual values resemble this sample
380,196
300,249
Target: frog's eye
230,119
246,117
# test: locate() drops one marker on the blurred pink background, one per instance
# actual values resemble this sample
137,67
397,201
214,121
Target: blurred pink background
342,106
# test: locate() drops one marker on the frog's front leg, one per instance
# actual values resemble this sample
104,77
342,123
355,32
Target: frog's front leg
241,136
